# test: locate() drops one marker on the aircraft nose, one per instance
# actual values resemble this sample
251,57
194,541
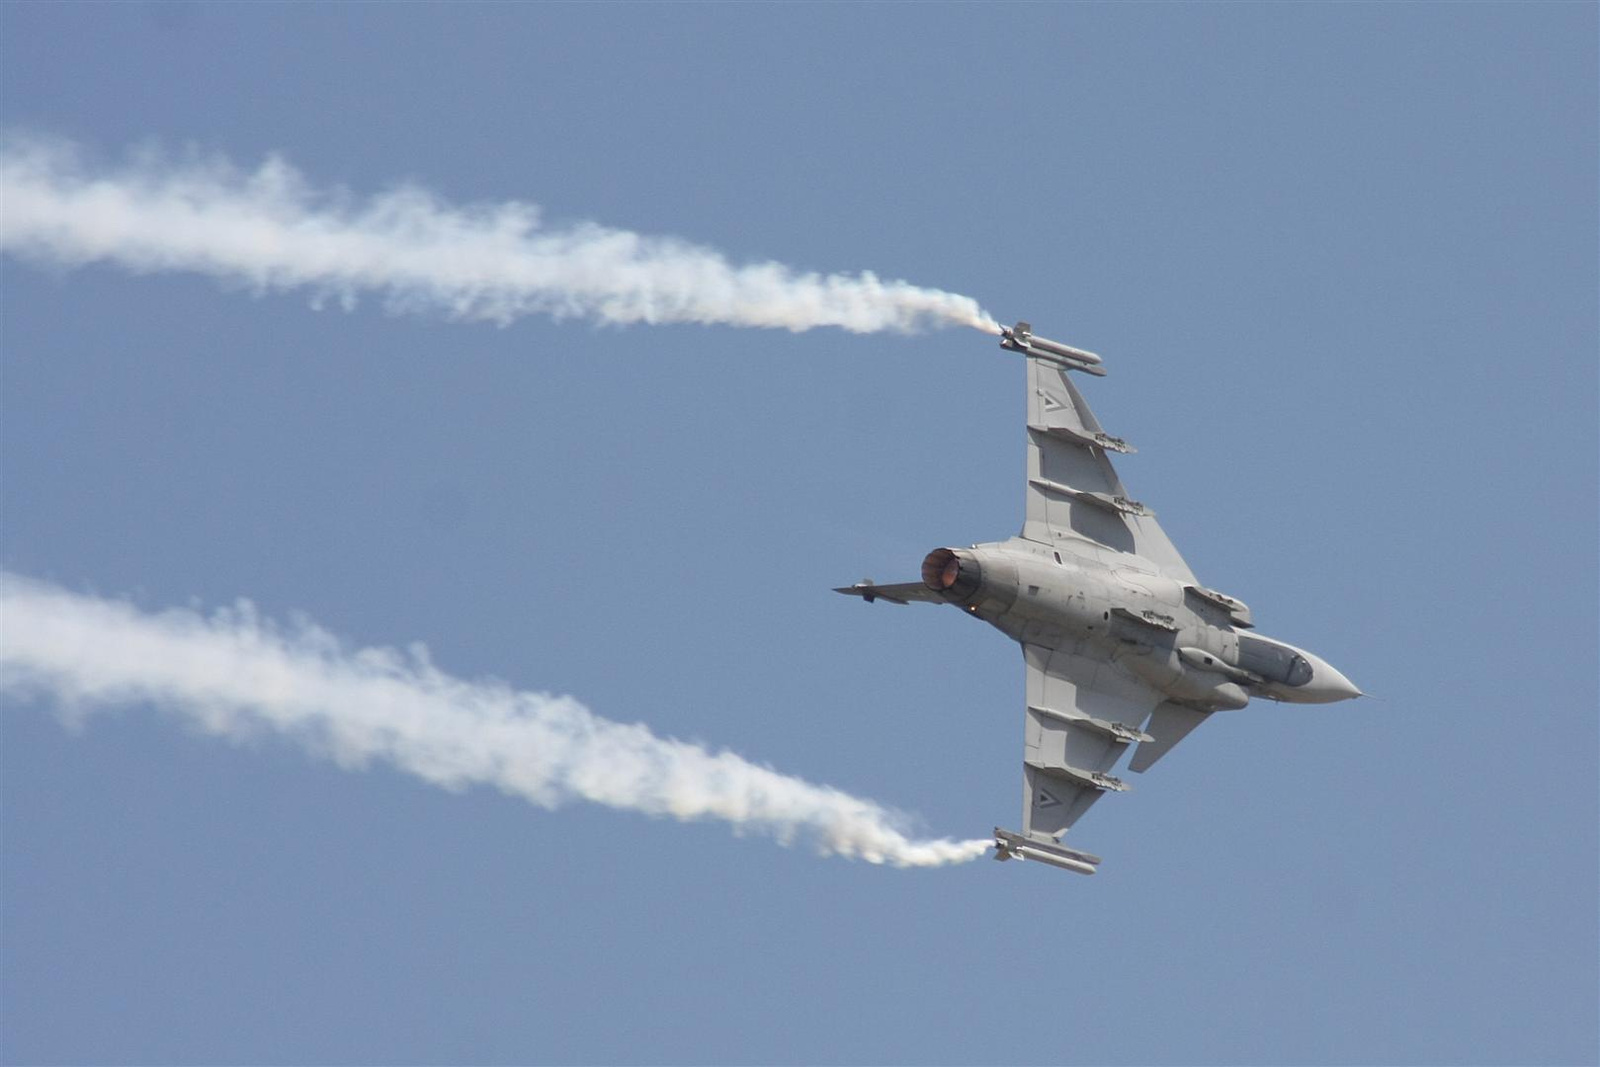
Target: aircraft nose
1328,684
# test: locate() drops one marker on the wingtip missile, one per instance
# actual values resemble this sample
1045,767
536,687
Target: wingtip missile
1009,845
1021,338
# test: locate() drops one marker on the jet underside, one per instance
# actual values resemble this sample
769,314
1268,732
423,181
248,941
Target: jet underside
1122,647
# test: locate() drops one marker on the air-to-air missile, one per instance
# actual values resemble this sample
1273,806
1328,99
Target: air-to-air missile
1020,338
1009,845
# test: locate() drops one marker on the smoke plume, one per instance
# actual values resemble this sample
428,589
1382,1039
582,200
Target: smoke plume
271,230
237,675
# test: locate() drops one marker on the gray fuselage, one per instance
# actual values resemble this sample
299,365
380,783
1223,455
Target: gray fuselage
1191,644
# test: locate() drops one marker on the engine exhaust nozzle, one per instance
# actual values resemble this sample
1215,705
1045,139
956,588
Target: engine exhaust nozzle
953,574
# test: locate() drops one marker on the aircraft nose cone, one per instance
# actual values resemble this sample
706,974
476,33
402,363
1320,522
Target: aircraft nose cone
1344,687
1329,684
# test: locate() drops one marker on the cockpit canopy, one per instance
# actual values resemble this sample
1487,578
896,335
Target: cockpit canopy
1274,662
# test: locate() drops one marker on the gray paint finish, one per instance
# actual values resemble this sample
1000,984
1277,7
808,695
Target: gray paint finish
1122,647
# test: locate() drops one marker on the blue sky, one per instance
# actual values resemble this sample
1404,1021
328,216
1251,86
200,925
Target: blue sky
1341,262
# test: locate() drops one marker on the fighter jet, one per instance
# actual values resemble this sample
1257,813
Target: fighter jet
1121,646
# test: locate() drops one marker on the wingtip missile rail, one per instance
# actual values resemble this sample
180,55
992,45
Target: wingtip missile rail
1020,338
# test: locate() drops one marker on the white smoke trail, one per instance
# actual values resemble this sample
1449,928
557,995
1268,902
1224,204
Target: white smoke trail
272,230
234,674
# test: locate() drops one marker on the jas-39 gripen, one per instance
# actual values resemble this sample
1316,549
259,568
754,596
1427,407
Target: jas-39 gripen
1122,647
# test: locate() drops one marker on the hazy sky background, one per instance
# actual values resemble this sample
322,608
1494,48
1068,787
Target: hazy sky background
1341,263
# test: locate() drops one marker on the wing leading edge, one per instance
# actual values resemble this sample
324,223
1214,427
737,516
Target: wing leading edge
1081,717
1073,490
